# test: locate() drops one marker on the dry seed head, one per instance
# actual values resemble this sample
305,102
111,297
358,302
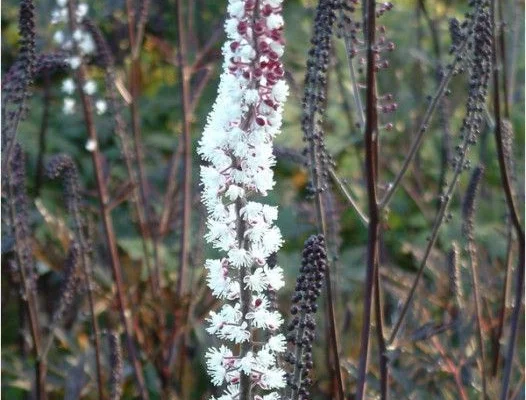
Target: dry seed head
469,205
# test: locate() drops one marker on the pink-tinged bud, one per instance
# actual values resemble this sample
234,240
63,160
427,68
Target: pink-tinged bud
258,302
259,28
258,72
389,126
273,55
390,46
279,71
260,121
275,35
263,47
249,5
242,27
234,46
267,10
269,103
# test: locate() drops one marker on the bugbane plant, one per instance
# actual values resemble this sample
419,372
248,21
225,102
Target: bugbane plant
237,146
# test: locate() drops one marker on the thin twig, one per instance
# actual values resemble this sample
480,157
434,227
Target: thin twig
348,196
382,348
140,197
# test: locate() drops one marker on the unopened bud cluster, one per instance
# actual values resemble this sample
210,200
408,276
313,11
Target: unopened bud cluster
314,100
302,328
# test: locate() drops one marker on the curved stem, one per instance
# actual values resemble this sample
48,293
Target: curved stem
348,196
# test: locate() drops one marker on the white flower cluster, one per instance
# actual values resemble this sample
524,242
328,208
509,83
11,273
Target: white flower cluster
78,44
237,144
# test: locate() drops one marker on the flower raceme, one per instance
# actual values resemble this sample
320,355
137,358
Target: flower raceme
237,147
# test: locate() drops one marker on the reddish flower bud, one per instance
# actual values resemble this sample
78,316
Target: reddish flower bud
269,103
275,35
263,47
234,46
259,28
273,55
267,10
279,71
242,27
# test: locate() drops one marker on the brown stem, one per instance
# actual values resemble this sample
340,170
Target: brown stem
371,151
503,63
104,199
169,196
504,307
141,198
514,215
478,313
141,24
187,152
186,147
384,373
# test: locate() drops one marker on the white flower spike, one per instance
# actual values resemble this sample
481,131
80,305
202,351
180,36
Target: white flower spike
237,147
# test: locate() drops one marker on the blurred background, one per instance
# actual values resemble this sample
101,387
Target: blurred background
418,368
